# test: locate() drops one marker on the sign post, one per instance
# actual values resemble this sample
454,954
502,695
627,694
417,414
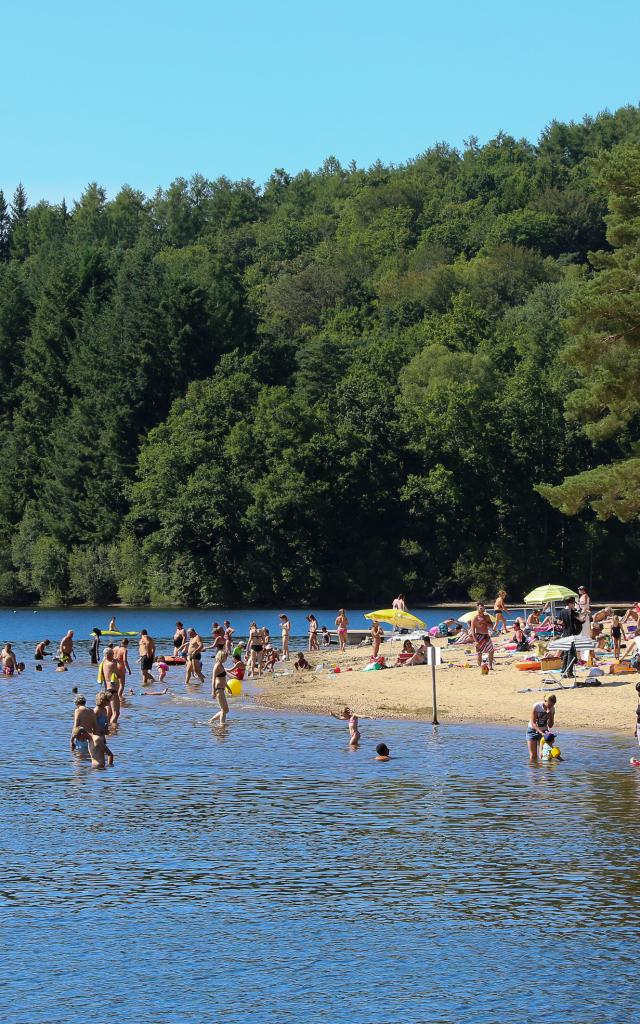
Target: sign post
434,657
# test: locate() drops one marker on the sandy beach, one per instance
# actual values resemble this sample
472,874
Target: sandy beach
463,694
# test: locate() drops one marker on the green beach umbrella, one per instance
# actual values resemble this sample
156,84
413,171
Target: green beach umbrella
549,592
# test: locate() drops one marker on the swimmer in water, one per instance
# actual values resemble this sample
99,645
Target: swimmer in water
382,752
41,651
347,716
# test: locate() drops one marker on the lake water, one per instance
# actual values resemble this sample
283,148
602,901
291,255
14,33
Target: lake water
266,873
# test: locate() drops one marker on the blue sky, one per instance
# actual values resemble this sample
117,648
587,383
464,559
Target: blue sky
143,92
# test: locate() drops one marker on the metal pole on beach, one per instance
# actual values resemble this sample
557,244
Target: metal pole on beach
434,658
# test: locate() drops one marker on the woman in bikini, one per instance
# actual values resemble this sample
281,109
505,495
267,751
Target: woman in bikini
346,715
499,611
256,648
377,635
342,624
220,688
313,633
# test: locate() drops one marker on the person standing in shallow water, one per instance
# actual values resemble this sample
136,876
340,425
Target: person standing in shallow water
146,652
346,715
220,688
541,721
195,648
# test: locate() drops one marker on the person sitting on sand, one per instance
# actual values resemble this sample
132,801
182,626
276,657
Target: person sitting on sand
346,715
533,620
603,615
419,656
382,752
407,652
632,613
301,664
238,669
520,639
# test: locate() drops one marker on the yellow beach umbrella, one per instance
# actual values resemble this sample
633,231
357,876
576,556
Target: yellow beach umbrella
549,592
468,616
395,617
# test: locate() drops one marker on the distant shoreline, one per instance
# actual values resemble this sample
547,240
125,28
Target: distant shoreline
444,606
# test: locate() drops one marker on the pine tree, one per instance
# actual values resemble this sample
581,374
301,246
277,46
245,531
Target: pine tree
5,227
18,220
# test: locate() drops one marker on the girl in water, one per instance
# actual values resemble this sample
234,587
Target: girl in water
346,715
220,688
342,624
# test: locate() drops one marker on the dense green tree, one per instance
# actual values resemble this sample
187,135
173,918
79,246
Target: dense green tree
348,381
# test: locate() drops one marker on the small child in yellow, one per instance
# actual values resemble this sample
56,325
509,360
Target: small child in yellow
548,749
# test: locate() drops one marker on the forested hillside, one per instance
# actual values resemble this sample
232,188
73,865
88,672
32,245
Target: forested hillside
338,385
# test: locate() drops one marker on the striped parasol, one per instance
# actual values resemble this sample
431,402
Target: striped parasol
563,643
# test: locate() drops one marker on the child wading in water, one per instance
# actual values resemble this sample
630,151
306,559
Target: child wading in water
347,716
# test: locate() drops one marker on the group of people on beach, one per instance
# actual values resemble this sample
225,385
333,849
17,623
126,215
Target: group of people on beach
257,654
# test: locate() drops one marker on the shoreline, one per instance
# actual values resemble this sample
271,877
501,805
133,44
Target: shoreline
464,696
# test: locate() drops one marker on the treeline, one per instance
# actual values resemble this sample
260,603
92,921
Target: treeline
339,385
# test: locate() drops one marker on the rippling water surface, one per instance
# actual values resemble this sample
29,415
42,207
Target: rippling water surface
267,873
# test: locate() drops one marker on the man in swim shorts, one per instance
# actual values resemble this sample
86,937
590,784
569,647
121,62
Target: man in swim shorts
481,626
195,647
146,652
66,647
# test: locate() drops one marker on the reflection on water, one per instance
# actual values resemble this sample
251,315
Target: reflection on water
269,873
